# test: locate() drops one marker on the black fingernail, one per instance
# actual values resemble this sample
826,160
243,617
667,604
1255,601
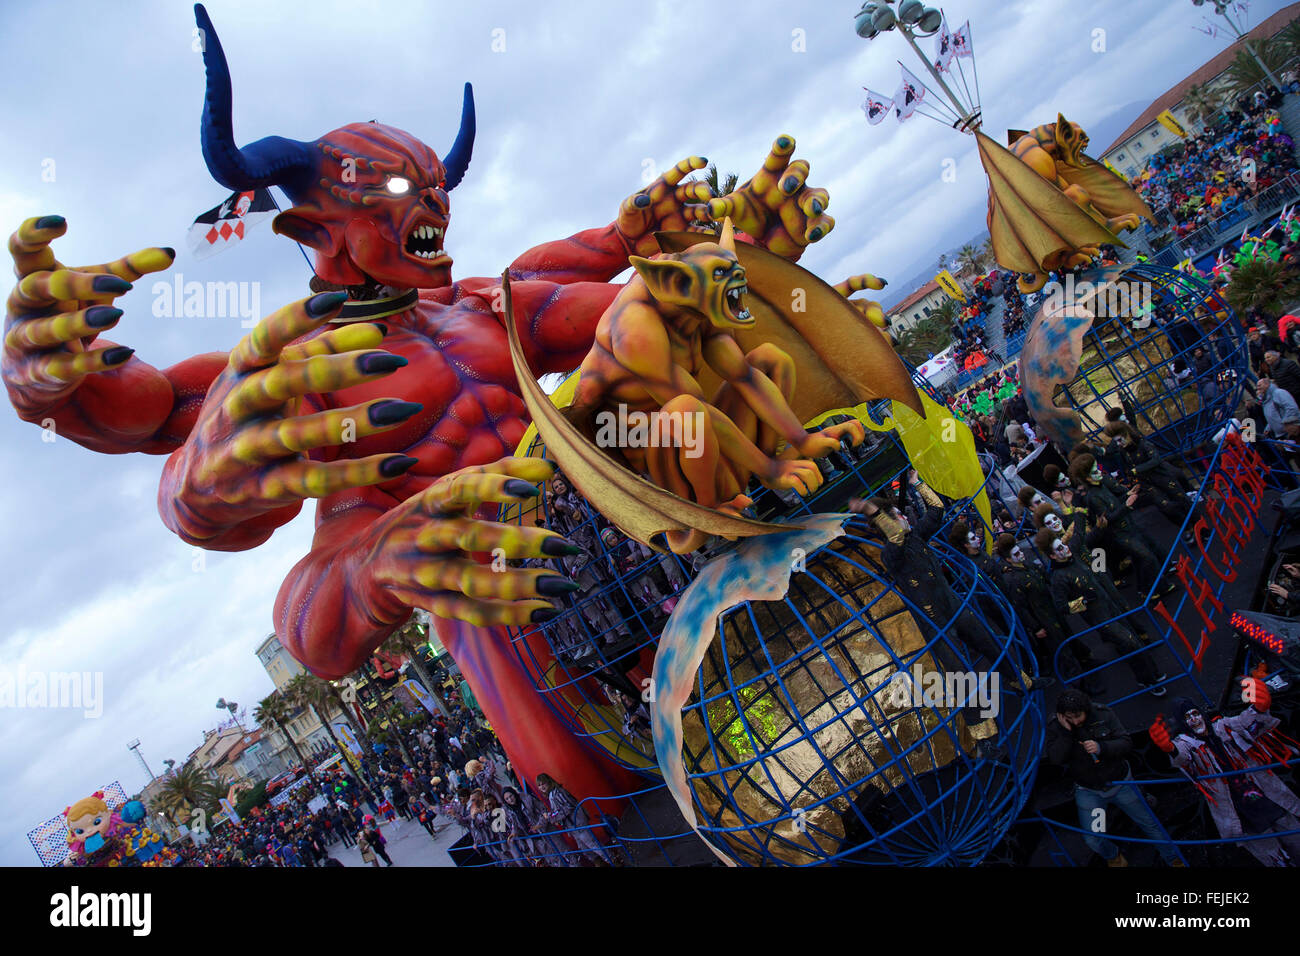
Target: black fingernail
117,355
553,584
543,614
324,302
110,284
883,283
102,316
641,201
815,234
392,412
522,489
783,142
377,362
383,329
559,547
50,222
171,253
397,465
791,183
816,208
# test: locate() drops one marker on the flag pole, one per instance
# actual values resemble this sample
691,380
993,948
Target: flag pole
938,102
963,113
305,257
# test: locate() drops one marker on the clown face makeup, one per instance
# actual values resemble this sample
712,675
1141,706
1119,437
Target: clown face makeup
1016,556
1053,523
1195,721
1037,500
1063,481
1060,550
972,541
1094,476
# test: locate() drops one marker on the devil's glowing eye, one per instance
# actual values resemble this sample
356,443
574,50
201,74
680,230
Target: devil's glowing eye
397,185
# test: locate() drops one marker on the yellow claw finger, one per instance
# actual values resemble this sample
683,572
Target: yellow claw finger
478,613
472,536
137,264
30,244
818,228
64,285
680,171
276,439
813,202
694,191
318,479
480,581
466,490
59,329
354,337
273,387
794,177
529,469
262,346
70,367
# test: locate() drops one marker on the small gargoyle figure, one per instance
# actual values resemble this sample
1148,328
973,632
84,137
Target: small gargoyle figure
673,319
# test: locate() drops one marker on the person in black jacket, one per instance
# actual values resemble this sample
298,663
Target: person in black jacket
1163,484
1109,507
1089,743
1027,588
1077,590
1284,372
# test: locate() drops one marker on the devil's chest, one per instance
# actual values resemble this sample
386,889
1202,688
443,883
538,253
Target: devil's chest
460,373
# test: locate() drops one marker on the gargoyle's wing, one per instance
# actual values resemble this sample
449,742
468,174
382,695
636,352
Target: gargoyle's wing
639,509
1031,222
1110,195
841,360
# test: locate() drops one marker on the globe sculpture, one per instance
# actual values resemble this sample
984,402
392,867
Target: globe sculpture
1160,344
817,733
592,661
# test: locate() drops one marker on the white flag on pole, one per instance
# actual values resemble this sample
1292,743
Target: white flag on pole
910,95
876,107
943,51
961,44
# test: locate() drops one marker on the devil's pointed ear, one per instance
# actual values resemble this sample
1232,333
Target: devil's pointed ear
669,280
299,228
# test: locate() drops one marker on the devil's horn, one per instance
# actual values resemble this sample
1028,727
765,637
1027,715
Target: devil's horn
273,161
457,161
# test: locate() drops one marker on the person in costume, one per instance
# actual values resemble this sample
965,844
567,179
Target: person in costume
1252,802
1077,589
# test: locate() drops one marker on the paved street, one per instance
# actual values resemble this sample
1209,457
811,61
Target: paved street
408,845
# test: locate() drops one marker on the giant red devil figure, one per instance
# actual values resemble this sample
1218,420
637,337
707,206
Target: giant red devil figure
405,506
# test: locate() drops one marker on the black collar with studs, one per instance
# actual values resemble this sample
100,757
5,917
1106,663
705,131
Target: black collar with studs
370,309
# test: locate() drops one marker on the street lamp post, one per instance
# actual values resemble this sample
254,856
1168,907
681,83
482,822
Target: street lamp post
230,705
1221,8
912,19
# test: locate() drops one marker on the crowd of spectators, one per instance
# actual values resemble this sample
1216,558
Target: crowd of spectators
1207,176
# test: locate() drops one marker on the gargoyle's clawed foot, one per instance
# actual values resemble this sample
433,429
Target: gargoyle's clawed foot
1128,221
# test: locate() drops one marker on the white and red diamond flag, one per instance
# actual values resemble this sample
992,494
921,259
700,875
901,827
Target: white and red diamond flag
910,95
876,107
223,226
943,51
961,45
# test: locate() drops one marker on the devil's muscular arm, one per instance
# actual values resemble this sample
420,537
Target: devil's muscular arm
594,255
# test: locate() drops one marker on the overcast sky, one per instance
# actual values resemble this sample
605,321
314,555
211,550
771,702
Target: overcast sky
568,113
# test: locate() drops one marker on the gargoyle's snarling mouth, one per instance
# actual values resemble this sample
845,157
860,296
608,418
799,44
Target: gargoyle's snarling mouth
425,242
735,298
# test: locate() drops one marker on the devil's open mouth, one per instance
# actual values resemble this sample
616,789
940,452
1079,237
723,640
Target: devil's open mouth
735,298
425,242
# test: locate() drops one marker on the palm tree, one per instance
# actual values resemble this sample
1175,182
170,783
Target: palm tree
928,337
408,640
1202,103
1287,41
189,788
968,258
308,690
277,709
1245,72
1262,283
719,185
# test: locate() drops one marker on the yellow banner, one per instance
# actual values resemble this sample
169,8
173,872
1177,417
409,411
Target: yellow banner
949,285
1166,119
